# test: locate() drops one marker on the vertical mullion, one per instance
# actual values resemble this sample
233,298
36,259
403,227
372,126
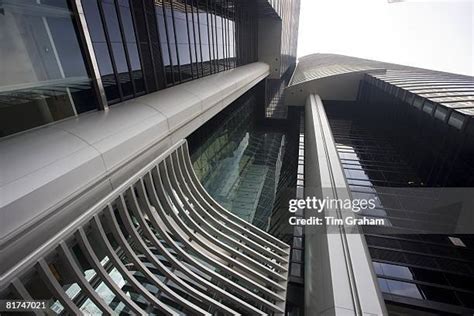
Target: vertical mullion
176,40
189,38
209,37
168,41
194,36
153,63
239,37
200,40
224,32
214,33
216,40
160,62
124,44
221,33
87,48
234,35
109,46
225,28
140,53
216,16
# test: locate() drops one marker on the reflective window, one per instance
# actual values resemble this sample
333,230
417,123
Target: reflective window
196,37
404,289
393,270
112,30
131,45
44,76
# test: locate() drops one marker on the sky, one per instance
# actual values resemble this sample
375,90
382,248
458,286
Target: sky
433,34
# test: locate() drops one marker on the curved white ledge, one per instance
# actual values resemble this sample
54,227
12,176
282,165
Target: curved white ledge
45,168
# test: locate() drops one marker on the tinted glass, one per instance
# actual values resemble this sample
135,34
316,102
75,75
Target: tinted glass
43,52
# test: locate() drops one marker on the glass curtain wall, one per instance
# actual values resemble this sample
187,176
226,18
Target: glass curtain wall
197,38
112,30
386,155
44,76
178,40
140,47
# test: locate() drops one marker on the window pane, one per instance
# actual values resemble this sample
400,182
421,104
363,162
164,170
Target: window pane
94,21
42,47
404,289
127,23
112,22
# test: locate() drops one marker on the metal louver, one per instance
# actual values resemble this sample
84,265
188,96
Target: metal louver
157,244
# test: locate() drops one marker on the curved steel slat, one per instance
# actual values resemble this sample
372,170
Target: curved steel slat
175,262
152,216
206,240
105,277
55,288
97,225
181,180
157,195
85,285
159,219
220,238
245,227
113,224
214,261
193,192
169,274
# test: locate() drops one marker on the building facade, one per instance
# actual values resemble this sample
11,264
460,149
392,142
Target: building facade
150,150
402,136
97,98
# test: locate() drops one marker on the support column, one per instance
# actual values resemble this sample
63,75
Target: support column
339,278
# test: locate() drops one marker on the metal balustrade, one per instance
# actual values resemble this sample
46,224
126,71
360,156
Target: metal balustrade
157,244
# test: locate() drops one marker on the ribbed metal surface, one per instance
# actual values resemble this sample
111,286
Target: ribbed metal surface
318,66
450,91
159,244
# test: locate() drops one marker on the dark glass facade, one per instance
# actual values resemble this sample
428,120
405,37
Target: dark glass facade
248,168
144,46
139,46
386,142
197,38
44,76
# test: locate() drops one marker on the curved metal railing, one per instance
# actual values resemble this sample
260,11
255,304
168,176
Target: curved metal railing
157,244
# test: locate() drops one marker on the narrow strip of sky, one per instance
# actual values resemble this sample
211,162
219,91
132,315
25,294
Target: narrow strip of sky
429,34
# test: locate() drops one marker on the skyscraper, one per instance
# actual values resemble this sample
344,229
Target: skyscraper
402,136
102,211
150,150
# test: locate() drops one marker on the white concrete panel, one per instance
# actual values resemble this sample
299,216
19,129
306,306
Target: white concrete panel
47,144
34,195
130,141
120,175
96,126
185,130
233,80
175,103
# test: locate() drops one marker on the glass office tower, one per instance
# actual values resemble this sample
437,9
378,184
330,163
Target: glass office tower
404,137
150,150
102,209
